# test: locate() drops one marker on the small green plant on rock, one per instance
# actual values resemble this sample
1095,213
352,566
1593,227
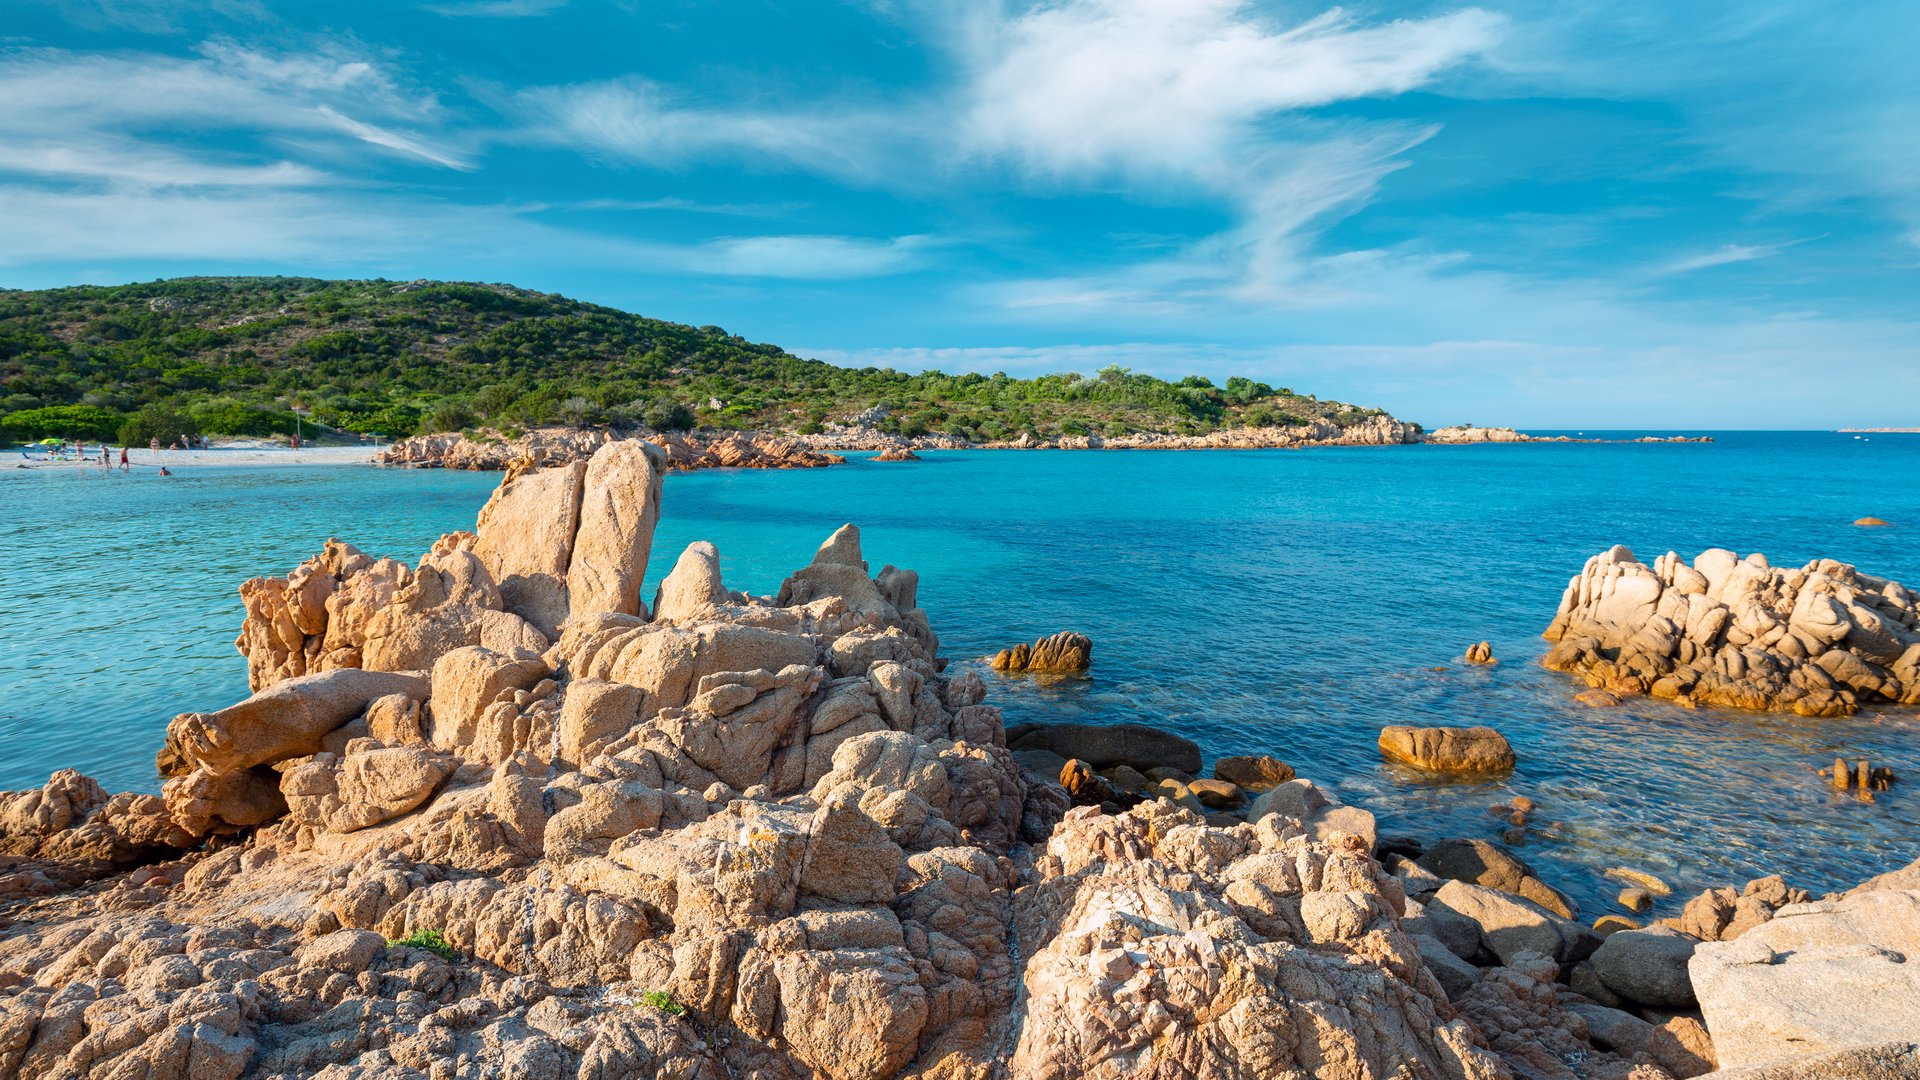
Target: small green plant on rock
433,941
663,1001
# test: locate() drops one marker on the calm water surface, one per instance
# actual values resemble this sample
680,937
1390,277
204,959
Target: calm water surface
1269,601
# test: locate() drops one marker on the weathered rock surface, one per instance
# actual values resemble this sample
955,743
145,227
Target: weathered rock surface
1648,966
550,543
1065,651
1739,633
1447,749
1256,773
1481,862
1816,978
1509,925
1882,1061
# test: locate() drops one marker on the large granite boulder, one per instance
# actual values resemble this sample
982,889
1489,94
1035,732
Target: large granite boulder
619,508
1648,967
286,720
1816,978
525,539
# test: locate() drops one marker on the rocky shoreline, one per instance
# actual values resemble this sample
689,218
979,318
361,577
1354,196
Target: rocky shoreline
1466,434
493,450
495,815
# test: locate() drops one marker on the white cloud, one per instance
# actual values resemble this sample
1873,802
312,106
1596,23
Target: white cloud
1138,85
1203,95
498,9
802,257
1727,255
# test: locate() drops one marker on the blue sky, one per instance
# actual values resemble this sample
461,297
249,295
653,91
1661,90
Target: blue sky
1546,214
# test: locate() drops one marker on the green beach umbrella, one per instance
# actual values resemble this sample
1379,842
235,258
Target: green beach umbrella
53,442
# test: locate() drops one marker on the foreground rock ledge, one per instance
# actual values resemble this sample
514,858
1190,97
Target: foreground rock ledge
731,836
1818,640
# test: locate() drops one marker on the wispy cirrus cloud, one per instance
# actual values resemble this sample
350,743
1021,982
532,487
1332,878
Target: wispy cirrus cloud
642,121
318,227
144,103
1725,255
497,9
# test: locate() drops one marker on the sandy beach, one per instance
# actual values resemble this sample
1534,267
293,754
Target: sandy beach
228,454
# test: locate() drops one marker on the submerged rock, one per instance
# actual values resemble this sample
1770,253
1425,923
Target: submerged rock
1739,633
1104,746
1450,750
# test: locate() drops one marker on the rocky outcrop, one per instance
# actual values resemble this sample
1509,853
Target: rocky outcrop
766,836
551,544
896,453
1161,946
1818,640
1448,750
489,450
1063,652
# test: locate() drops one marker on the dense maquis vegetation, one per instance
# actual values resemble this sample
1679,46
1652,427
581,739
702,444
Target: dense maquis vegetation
238,356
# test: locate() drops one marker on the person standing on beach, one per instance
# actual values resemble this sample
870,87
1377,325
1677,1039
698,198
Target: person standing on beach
123,458
106,460
153,443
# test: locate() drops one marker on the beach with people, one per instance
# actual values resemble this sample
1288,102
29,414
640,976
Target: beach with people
253,453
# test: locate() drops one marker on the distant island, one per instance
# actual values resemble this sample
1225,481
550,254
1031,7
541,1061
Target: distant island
1880,430
264,356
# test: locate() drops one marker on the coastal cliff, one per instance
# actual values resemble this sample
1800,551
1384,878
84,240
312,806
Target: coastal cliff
499,814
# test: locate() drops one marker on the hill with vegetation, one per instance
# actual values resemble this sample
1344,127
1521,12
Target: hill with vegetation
242,356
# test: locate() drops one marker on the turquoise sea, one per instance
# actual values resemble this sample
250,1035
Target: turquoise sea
1285,602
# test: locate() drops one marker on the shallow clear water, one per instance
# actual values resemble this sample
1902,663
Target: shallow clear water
1278,602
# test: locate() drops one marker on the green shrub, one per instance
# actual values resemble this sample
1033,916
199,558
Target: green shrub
669,416
156,422
62,422
663,1001
432,941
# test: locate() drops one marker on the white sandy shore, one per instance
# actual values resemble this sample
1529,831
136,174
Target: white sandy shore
143,460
